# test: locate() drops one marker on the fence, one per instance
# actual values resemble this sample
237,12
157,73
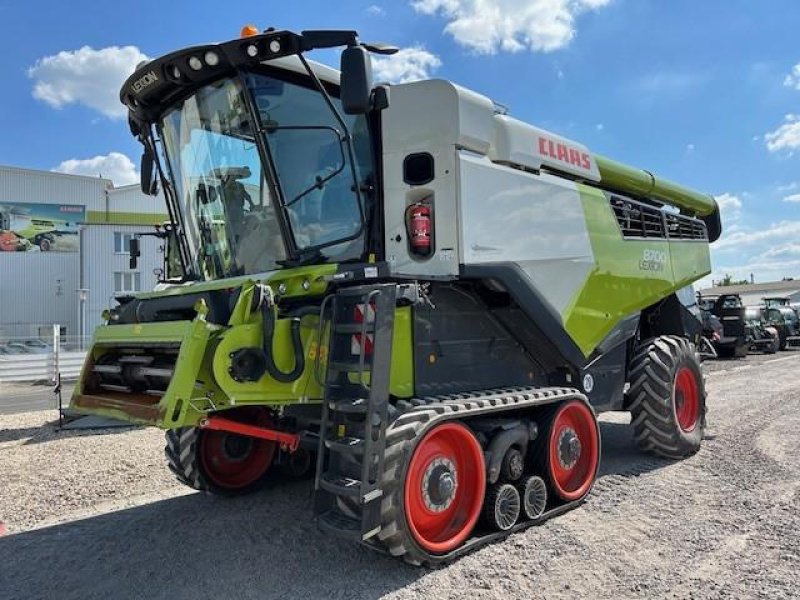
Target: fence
36,359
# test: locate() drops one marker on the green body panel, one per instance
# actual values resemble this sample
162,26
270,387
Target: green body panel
186,391
266,390
293,279
401,376
637,182
202,383
628,274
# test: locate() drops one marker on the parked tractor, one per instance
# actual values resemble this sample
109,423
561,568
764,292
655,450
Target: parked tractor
730,311
761,336
401,290
780,315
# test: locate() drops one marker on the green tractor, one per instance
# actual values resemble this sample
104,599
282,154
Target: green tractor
780,314
401,290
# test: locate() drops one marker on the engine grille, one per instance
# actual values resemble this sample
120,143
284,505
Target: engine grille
638,220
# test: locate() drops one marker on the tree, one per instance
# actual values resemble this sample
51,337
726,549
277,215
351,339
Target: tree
728,280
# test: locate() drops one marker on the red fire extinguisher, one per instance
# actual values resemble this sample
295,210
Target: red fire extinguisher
419,225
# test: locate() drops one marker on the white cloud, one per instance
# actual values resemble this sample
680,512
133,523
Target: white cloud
669,82
785,137
786,250
730,207
409,64
793,78
762,271
114,166
728,201
487,26
772,235
85,76
375,10
792,198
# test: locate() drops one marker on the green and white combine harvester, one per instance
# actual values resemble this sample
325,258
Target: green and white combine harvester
401,290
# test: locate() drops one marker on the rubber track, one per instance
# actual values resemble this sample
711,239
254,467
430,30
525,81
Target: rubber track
402,437
652,414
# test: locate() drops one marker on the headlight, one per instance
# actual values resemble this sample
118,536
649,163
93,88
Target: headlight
195,64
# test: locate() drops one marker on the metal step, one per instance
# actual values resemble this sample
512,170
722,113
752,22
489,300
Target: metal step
352,406
353,328
349,365
333,521
352,446
340,485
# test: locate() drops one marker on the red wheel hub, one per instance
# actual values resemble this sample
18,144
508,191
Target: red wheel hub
231,461
574,450
686,399
445,485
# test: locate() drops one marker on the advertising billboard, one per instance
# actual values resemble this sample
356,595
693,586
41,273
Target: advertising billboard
28,227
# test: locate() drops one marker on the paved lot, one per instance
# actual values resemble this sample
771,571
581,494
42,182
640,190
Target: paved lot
722,524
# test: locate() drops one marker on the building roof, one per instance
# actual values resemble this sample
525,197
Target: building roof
781,288
42,172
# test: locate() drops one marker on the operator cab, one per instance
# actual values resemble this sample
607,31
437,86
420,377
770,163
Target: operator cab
262,166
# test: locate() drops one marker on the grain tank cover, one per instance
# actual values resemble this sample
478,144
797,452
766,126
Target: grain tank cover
522,145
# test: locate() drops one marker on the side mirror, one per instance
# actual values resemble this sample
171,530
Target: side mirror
135,253
148,181
356,80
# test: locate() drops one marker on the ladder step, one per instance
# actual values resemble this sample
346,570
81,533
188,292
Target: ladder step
333,521
352,328
346,445
349,366
353,406
340,485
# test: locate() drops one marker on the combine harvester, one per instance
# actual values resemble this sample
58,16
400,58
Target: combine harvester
400,289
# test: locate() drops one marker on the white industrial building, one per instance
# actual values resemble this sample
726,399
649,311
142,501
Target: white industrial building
63,249
754,293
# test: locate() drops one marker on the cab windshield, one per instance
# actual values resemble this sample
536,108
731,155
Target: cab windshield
241,216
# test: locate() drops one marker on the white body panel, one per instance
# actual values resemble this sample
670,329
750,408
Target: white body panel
536,221
519,144
491,203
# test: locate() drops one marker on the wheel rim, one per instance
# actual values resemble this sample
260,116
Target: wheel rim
507,507
535,497
686,399
445,486
574,450
232,461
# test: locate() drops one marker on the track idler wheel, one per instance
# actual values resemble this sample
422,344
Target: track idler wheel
569,451
502,507
533,490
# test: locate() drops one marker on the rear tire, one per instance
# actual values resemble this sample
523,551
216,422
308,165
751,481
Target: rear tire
668,399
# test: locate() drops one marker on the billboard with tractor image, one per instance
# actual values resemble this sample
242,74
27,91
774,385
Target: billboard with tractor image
28,227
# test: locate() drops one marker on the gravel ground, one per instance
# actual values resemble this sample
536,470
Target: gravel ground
93,516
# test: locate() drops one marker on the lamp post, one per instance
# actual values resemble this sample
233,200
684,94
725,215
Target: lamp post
83,296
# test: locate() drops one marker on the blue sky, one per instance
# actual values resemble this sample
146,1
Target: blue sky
705,93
